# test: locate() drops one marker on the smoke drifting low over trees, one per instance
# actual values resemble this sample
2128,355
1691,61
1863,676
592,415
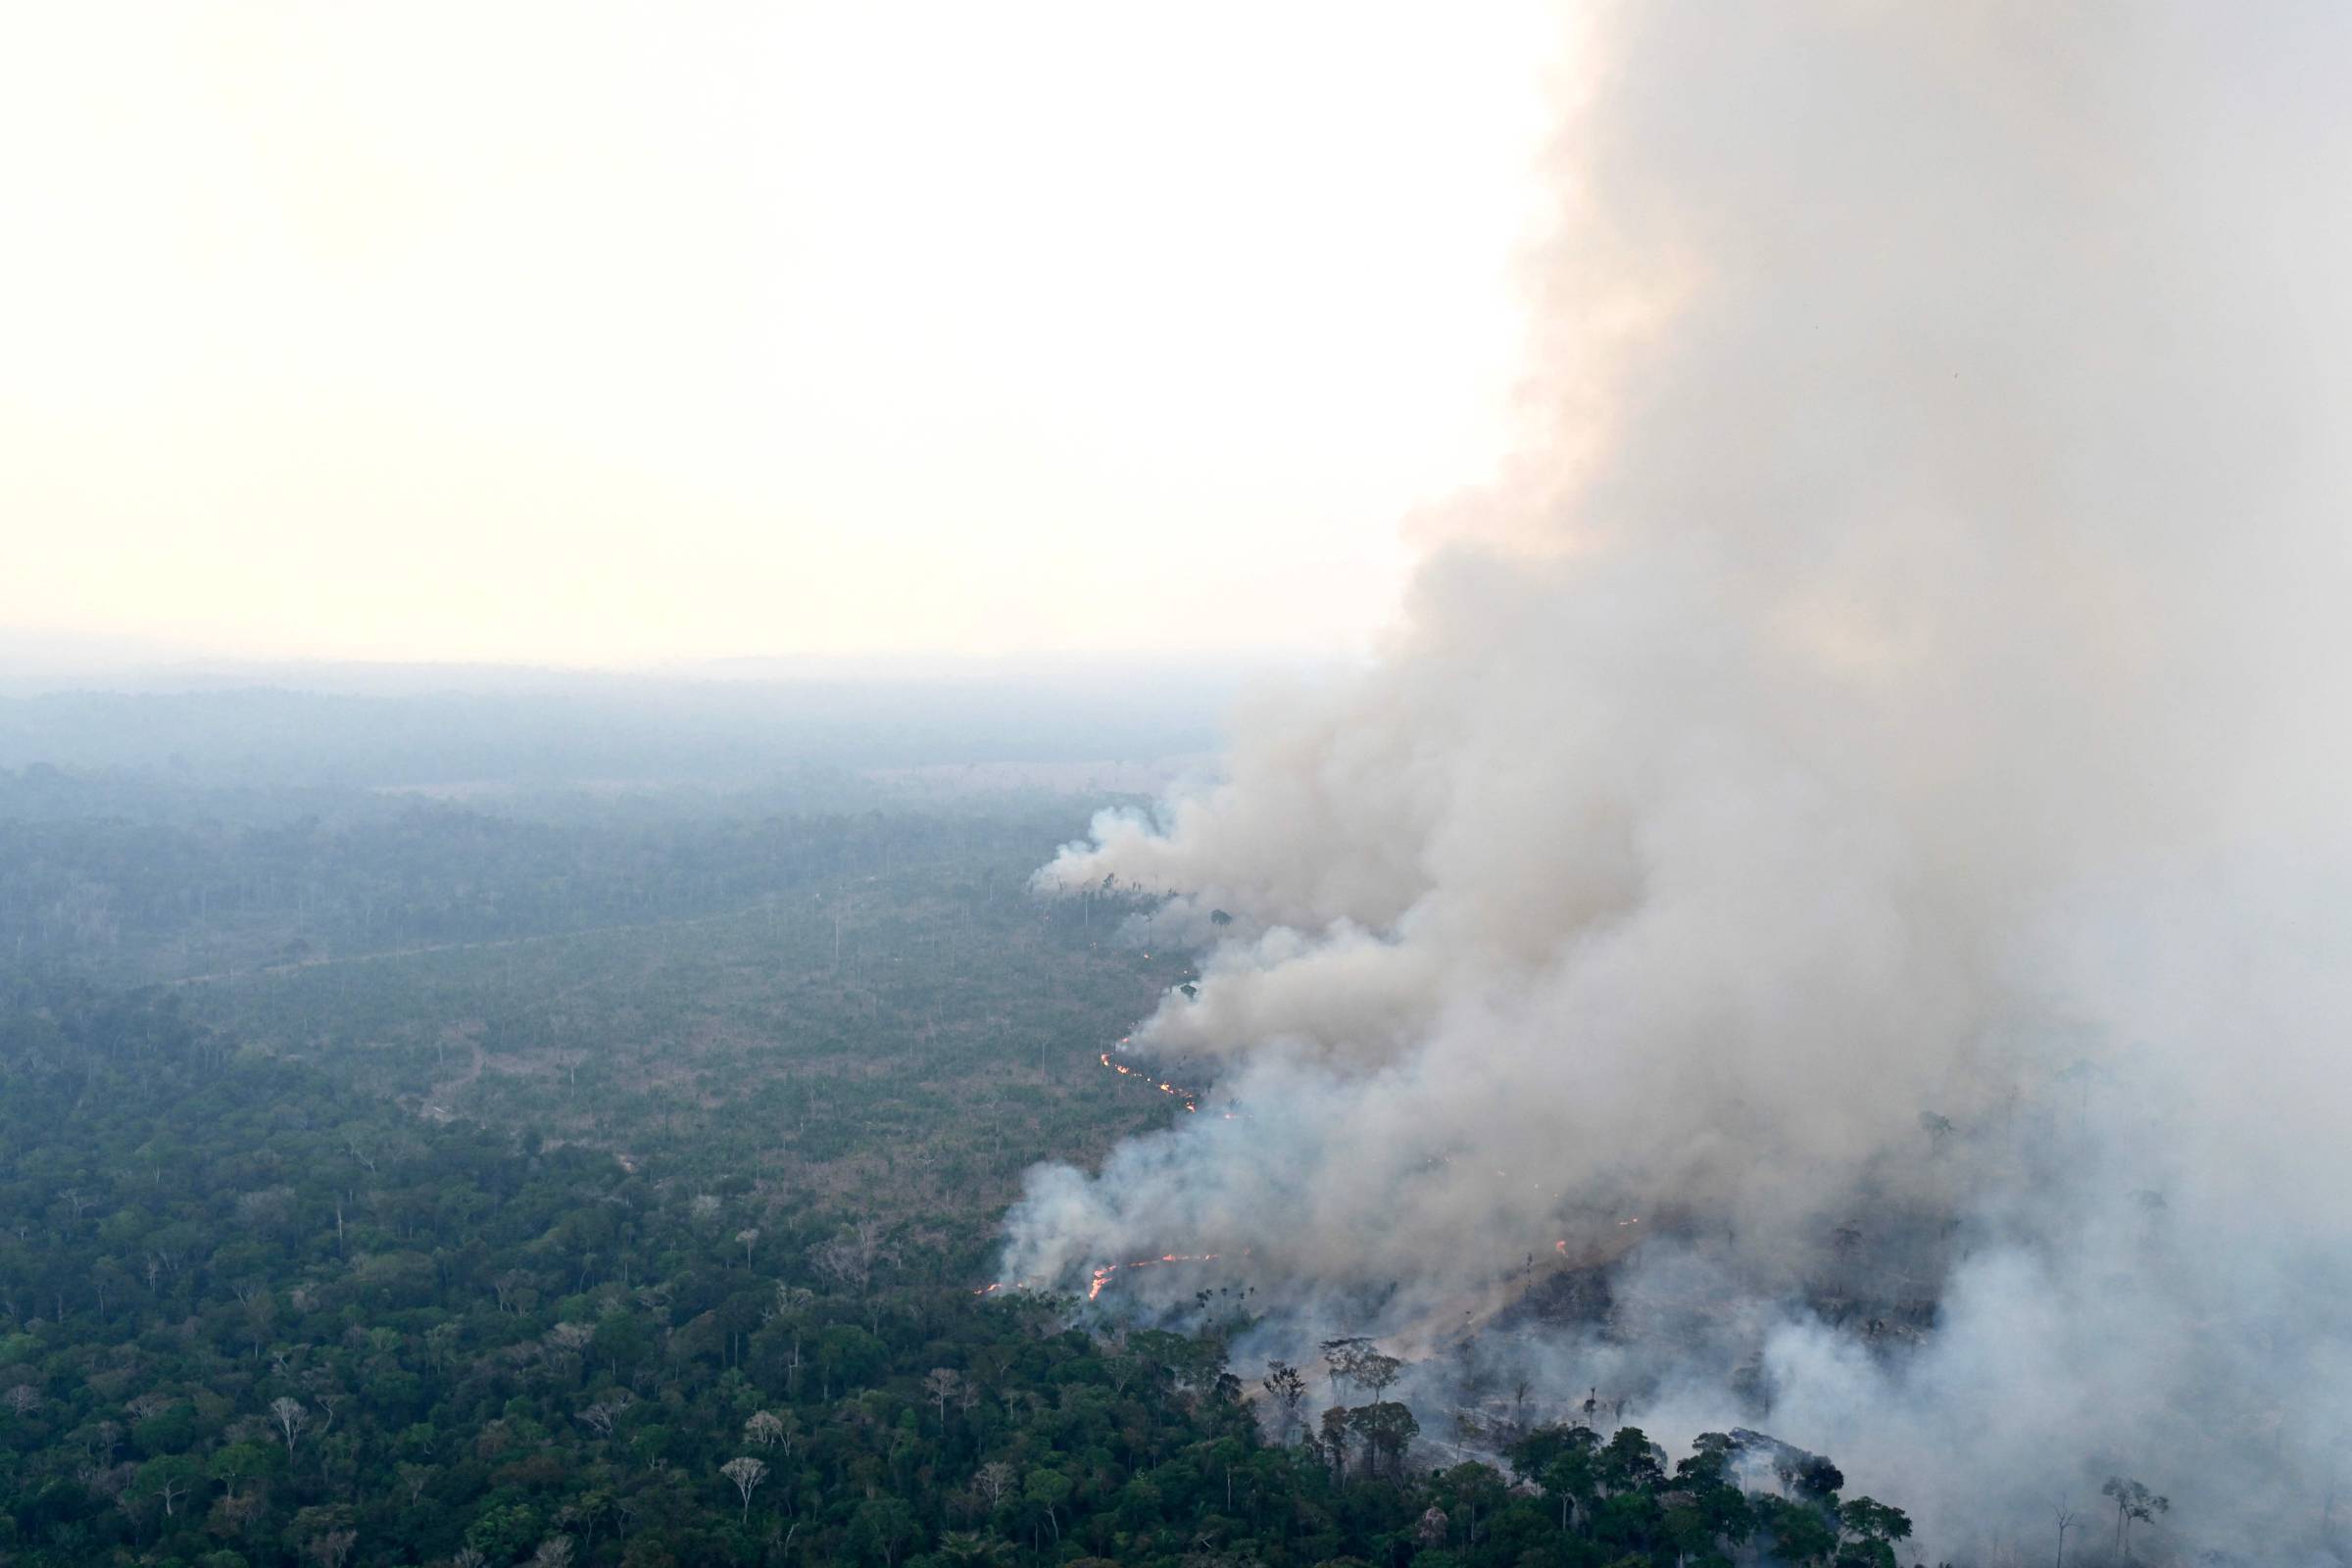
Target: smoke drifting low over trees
1861,794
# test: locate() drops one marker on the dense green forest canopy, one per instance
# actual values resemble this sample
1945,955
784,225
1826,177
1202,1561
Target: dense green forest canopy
252,1316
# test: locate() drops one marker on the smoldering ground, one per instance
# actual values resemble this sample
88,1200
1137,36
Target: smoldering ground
1864,791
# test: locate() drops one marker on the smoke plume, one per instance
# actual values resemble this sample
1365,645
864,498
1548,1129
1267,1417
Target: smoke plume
1863,793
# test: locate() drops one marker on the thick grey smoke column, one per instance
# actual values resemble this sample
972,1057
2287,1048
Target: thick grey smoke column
1905,673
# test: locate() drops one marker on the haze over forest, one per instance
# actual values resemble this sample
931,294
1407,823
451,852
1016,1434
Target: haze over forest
1050,788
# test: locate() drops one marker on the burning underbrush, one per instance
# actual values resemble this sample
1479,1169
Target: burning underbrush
1622,1285
1655,1318
1162,1079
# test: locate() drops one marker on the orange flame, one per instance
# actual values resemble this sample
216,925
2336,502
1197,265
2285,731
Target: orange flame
1190,1101
1102,1276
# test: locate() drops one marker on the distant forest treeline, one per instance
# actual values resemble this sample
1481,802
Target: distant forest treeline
155,882
570,732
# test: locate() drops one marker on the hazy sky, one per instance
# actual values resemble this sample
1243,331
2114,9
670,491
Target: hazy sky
604,334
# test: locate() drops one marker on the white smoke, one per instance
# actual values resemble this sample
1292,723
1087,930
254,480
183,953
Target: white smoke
1904,677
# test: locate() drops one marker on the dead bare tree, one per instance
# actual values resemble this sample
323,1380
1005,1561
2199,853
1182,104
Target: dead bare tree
600,1415
170,1485
290,1418
991,1482
850,1256
943,1384
747,1473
